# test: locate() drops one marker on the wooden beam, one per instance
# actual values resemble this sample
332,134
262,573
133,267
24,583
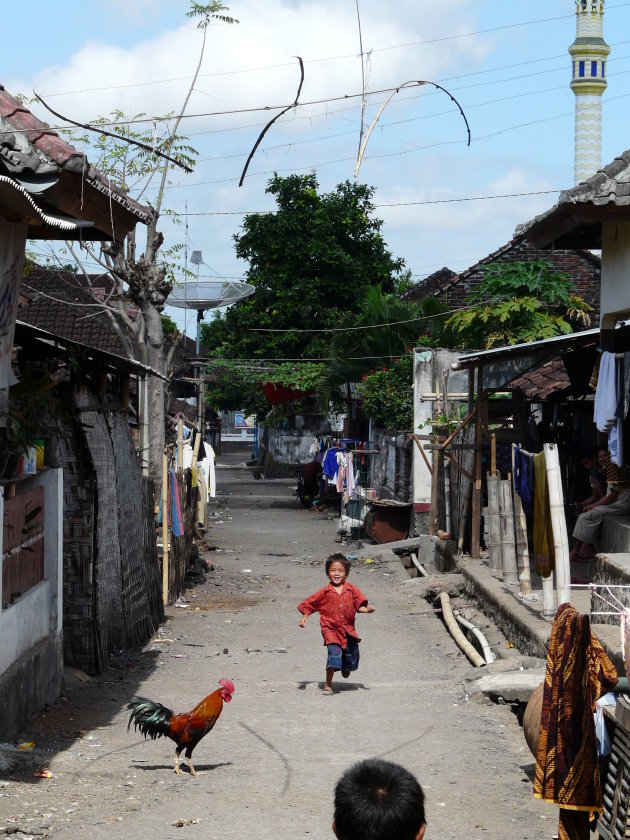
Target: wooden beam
457,466
423,453
460,426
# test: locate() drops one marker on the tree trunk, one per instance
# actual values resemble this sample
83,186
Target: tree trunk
157,393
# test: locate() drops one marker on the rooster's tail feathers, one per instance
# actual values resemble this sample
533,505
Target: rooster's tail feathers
152,719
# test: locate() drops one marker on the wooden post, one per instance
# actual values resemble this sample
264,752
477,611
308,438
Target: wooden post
558,522
180,443
493,454
435,457
475,549
494,523
520,534
165,528
508,546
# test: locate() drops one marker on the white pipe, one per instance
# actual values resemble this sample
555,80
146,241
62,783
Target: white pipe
419,565
453,628
485,647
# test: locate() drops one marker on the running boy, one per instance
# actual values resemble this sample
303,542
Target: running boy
380,800
337,604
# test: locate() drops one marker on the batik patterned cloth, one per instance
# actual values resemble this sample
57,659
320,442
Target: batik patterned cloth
567,770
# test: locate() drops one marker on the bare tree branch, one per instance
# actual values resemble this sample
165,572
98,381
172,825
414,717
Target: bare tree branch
413,83
100,130
271,122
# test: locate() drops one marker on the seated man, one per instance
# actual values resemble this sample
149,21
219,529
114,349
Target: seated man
616,502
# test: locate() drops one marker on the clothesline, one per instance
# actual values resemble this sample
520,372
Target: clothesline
618,608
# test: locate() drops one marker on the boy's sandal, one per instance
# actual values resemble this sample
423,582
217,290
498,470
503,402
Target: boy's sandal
327,691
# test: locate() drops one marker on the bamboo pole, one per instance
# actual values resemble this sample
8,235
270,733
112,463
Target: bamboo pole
522,547
549,608
494,523
165,528
508,543
558,522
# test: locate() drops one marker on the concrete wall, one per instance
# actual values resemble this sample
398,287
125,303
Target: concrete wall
429,367
615,292
31,651
290,446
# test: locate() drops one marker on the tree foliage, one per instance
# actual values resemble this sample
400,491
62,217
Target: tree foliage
310,261
518,302
387,395
386,327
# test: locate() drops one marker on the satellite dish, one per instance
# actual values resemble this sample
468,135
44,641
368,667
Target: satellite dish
208,294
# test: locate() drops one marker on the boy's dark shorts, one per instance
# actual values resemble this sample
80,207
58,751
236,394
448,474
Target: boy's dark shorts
343,660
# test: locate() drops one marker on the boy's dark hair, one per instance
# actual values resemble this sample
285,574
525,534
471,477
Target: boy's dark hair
338,558
378,800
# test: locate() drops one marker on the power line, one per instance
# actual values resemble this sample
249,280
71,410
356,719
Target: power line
387,204
341,57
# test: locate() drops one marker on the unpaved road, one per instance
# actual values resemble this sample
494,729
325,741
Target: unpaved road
271,763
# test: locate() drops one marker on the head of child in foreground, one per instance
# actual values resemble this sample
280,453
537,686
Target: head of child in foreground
337,568
378,800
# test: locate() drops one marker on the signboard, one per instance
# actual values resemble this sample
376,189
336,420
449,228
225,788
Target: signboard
242,422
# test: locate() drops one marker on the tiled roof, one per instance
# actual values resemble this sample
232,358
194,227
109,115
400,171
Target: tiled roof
56,301
544,381
32,152
431,285
584,206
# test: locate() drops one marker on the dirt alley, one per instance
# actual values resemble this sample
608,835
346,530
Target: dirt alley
271,763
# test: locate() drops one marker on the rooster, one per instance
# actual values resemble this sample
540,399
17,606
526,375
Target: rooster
187,728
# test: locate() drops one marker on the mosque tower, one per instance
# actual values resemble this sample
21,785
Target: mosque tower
589,52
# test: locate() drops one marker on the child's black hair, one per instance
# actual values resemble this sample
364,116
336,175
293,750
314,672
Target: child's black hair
378,800
338,558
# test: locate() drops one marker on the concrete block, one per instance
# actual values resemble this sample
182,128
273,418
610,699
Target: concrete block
513,686
31,682
445,551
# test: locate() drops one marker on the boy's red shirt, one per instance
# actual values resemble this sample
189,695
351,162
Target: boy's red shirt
336,611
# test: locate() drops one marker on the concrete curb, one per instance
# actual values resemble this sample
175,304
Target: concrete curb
519,623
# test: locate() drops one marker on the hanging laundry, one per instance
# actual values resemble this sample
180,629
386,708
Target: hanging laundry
329,465
350,477
177,523
606,396
578,672
341,471
521,481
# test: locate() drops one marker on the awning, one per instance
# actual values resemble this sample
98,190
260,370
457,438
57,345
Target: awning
18,200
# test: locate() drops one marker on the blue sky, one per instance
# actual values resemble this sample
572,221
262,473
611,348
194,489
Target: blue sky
505,61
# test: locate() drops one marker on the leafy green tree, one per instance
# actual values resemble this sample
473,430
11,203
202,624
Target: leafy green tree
387,395
386,327
518,302
311,262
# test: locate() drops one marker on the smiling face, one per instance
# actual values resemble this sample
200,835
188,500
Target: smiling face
337,573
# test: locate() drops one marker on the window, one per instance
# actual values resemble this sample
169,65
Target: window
581,69
603,69
593,68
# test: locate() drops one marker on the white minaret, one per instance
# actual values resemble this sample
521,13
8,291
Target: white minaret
588,82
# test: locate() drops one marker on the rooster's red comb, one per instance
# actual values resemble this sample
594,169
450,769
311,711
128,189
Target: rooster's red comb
227,684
